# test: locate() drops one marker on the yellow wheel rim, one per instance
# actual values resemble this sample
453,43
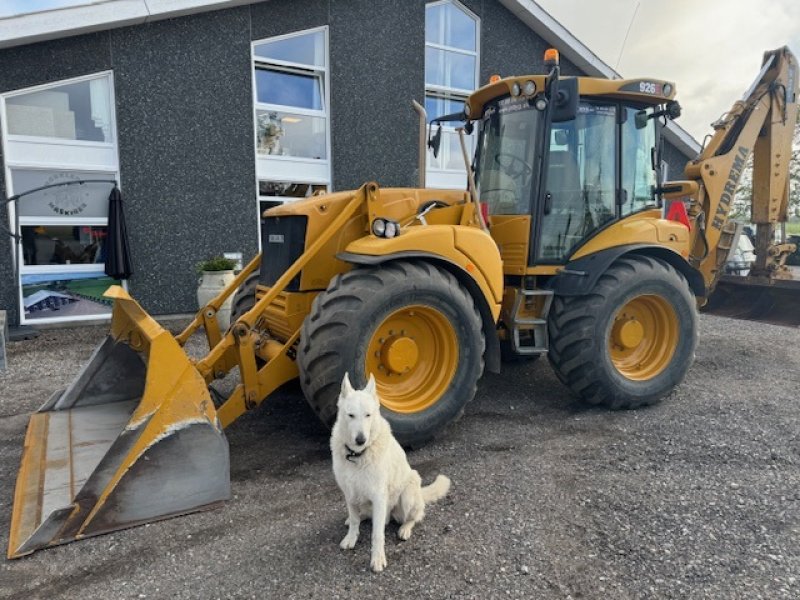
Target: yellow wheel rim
643,337
413,354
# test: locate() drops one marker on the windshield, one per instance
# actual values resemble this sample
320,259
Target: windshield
505,155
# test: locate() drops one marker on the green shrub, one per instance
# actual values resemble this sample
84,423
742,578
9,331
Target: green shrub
218,263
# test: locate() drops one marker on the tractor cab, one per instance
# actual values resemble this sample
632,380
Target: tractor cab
559,160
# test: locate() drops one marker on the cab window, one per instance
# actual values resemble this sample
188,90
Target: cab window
580,188
638,176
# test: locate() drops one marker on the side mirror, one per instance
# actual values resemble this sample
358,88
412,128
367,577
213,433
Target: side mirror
435,142
673,109
641,118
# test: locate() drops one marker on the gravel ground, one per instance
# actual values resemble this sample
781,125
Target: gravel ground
697,497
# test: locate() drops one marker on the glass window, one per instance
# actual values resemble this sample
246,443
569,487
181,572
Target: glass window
436,106
63,244
451,62
75,111
581,180
638,177
450,70
448,25
287,88
63,230
291,118
275,193
303,49
66,294
88,200
287,134
507,148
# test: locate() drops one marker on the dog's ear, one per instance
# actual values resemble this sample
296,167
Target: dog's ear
370,389
346,387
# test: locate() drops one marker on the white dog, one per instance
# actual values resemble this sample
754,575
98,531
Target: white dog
372,470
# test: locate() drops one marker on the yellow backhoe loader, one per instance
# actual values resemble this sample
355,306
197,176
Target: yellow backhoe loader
560,245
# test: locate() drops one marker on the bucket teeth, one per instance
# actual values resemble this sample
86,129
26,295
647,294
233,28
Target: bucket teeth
135,438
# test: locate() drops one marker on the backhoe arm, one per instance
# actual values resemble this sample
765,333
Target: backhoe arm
762,122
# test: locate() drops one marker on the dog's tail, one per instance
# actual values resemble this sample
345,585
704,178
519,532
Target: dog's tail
437,490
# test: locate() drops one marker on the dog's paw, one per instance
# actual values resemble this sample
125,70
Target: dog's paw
349,542
378,562
405,531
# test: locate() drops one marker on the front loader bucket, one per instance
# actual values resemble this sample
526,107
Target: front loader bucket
775,301
133,439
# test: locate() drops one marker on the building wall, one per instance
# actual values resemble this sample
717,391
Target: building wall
185,123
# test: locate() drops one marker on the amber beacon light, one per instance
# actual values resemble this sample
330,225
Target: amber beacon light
551,57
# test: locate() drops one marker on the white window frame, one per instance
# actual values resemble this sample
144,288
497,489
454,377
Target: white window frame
291,168
57,154
452,178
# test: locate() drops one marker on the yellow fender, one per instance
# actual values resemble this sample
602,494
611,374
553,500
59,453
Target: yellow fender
472,250
469,253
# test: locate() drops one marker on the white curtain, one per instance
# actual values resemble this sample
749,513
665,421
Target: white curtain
101,107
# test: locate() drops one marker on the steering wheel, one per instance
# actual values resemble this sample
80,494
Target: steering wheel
509,160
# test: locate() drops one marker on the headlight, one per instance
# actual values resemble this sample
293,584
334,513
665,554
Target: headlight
529,89
392,229
379,227
667,89
515,89
385,228
540,104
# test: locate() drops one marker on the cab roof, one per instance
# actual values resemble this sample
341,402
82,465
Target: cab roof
650,92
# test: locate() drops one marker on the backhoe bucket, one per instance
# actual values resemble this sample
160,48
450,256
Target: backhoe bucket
775,301
133,439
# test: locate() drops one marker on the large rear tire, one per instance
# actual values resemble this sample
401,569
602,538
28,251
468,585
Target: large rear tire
414,327
631,340
245,297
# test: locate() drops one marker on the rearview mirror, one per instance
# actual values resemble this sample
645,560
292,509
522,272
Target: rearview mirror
641,118
436,141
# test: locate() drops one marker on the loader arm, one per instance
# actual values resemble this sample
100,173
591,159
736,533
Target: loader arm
761,123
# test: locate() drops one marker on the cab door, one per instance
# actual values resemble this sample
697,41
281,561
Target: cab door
578,196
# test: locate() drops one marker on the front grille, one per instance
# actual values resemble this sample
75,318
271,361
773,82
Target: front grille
283,240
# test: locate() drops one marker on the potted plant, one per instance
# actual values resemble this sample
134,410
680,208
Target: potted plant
215,275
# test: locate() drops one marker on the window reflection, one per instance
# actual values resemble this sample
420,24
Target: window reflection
75,111
638,177
63,244
287,134
580,179
289,89
67,294
449,69
306,49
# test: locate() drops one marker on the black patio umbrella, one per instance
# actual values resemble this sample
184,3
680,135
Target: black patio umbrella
118,253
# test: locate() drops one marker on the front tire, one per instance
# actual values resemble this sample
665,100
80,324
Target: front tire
414,327
631,340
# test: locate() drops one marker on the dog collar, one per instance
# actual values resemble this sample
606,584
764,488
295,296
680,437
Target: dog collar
352,454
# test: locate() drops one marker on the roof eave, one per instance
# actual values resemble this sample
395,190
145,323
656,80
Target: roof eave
99,16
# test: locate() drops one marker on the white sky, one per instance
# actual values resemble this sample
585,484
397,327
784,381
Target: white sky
711,49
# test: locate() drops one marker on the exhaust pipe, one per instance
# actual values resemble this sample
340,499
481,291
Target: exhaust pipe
423,130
